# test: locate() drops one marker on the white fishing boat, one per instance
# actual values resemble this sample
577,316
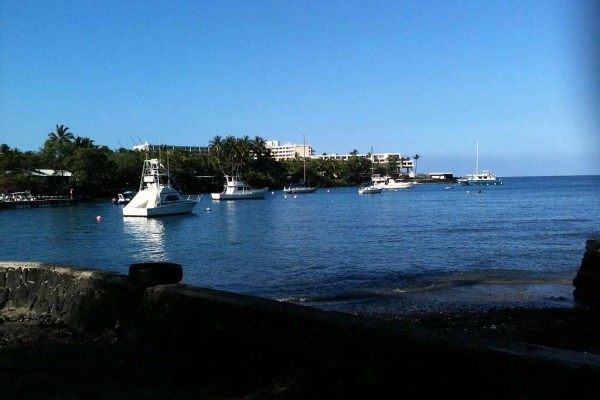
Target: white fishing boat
236,189
304,186
481,178
370,188
386,182
156,195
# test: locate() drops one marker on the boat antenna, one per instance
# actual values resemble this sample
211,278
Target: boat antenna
477,157
304,158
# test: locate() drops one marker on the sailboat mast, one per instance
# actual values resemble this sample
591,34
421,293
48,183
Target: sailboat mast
304,158
477,157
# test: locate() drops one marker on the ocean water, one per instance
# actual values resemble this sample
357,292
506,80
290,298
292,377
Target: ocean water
434,247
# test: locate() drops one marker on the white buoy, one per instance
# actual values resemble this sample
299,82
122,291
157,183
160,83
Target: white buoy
99,218
207,208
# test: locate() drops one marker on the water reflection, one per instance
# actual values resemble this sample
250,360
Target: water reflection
148,234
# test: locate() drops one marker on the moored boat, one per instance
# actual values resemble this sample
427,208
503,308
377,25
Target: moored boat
484,178
123,198
156,195
236,189
481,178
300,188
386,182
304,186
369,189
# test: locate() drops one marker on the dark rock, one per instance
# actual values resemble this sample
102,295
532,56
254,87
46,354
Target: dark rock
155,273
587,280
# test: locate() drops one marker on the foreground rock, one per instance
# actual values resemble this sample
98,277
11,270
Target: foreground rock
587,280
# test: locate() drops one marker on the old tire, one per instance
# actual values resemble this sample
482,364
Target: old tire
155,273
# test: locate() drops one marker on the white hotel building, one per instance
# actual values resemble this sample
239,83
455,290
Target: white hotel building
289,151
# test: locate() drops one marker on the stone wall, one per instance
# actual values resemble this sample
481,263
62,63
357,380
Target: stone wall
82,298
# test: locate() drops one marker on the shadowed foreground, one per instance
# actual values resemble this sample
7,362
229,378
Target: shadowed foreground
71,333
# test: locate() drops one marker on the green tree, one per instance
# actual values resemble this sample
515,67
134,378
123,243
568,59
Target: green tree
92,169
358,167
83,142
58,146
61,135
126,168
393,163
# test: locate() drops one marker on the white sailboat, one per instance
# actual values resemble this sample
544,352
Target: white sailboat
481,178
304,187
370,188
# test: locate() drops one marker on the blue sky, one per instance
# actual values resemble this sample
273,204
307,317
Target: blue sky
415,77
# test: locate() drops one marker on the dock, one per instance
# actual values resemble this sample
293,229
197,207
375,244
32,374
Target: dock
39,202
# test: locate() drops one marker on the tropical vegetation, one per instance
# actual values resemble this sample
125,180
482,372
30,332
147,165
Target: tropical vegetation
99,171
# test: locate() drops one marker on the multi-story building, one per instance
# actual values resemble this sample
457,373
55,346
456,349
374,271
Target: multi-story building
405,164
288,151
156,147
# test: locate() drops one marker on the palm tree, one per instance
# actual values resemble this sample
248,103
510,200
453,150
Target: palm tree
416,157
215,148
215,144
260,149
83,142
61,135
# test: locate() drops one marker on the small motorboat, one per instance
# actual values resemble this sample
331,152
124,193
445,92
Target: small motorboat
236,189
124,198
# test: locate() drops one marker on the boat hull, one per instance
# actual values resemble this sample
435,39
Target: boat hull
396,186
484,183
369,190
182,207
300,190
255,195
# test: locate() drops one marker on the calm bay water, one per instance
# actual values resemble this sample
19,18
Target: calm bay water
432,246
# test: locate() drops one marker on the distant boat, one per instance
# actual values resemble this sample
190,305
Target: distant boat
124,198
156,197
304,186
481,178
236,189
369,188
386,182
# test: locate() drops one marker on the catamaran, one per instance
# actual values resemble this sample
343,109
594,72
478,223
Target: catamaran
484,178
